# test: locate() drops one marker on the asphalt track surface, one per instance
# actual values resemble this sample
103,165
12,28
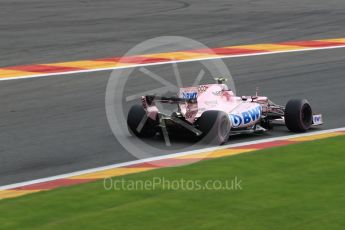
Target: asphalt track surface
58,124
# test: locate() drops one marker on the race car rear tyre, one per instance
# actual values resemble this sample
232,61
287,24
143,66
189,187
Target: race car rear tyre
136,115
215,127
298,115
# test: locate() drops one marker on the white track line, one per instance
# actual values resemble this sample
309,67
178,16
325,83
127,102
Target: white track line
169,62
78,173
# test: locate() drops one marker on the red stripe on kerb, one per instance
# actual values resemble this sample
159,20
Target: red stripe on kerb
227,51
312,43
53,184
265,145
165,163
43,68
134,59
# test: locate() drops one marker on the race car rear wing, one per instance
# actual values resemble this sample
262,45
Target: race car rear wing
150,99
149,104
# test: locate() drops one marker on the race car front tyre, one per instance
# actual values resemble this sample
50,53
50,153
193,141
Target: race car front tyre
298,115
139,124
215,127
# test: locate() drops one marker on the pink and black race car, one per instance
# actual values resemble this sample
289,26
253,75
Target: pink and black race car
212,113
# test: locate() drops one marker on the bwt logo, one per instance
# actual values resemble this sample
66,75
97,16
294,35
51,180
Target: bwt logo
191,95
246,117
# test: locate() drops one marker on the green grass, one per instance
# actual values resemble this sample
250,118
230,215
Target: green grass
294,187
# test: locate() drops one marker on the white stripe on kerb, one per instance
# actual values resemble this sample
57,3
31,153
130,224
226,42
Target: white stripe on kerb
169,156
168,62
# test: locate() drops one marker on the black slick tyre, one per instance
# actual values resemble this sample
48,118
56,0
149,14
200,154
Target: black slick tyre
215,127
139,124
298,115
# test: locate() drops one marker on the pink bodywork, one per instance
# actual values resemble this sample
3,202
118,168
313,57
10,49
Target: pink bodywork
243,111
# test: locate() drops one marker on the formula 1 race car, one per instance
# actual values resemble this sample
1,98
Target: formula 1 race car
212,113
